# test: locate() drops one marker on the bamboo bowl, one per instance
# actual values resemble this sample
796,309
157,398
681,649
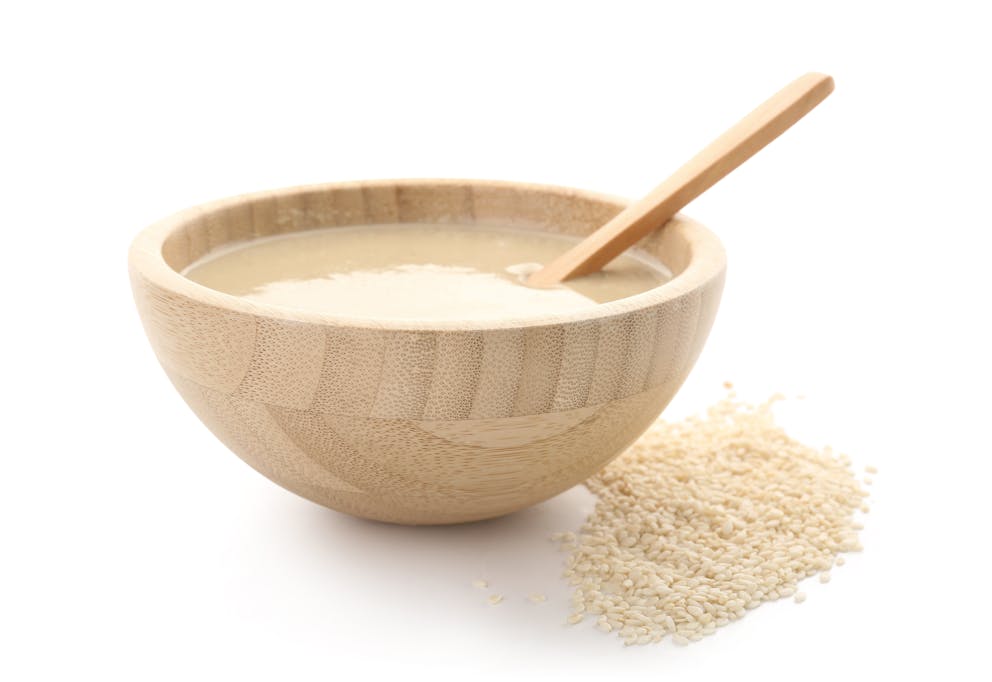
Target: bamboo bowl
422,422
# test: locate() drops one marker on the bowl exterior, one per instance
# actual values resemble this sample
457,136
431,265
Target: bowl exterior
424,426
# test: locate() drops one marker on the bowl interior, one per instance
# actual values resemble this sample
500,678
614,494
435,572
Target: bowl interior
690,252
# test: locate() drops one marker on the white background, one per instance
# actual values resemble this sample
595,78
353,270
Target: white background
136,547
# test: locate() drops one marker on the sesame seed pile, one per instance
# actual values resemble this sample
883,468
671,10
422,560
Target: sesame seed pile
701,520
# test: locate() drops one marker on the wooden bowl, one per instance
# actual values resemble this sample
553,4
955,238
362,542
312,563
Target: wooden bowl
422,422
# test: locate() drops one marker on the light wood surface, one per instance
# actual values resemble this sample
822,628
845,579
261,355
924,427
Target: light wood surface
704,170
422,422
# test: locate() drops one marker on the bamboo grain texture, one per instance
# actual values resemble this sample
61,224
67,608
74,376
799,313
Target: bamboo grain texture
422,422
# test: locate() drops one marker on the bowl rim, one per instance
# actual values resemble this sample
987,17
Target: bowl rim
146,258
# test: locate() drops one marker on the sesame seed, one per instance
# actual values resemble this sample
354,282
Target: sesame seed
703,520
537,598
494,599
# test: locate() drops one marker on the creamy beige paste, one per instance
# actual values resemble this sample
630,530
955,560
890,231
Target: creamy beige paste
417,271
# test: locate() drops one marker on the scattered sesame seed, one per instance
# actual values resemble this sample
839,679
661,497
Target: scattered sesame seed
704,519
728,385
537,598
871,470
840,561
494,599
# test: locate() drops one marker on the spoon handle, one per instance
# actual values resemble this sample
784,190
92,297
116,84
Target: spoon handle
724,154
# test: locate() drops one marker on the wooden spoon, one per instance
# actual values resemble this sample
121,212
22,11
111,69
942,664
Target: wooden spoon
704,170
